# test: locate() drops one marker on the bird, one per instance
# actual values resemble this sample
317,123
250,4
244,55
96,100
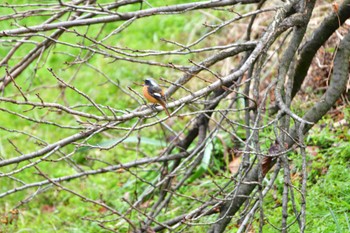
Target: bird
154,93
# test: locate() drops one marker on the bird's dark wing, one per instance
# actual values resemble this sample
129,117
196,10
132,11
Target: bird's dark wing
156,92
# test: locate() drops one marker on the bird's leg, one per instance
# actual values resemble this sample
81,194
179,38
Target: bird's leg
152,106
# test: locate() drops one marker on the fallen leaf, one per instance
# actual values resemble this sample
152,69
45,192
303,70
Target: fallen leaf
234,165
295,177
127,196
312,150
102,209
145,204
48,208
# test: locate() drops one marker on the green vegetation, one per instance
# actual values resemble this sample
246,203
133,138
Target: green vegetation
55,210
328,189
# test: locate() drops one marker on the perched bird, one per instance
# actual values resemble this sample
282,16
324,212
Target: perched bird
154,93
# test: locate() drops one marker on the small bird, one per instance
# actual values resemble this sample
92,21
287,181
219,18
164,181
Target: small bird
154,93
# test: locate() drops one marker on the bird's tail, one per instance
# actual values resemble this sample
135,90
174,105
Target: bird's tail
165,108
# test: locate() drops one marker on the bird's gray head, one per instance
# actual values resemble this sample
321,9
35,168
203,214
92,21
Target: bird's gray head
150,82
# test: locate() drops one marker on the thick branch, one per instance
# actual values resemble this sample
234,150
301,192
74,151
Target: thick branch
336,88
319,37
268,38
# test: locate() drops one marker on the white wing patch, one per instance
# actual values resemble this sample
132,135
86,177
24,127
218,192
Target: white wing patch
157,95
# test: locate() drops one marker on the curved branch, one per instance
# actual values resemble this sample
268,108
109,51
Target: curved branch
333,93
125,16
318,38
44,45
187,99
94,172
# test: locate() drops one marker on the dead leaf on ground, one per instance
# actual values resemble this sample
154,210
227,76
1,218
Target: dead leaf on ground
324,170
312,150
296,177
145,204
234,164
102,209
48,208
127,196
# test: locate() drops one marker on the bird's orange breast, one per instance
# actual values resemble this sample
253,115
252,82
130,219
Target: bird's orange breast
148,96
